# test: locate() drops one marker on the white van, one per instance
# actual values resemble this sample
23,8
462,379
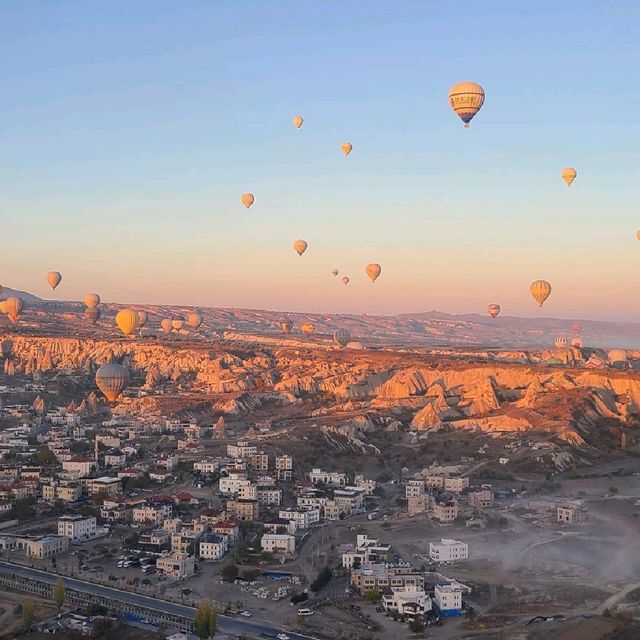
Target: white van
305,612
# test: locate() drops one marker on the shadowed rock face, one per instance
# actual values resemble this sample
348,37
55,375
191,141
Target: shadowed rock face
358,392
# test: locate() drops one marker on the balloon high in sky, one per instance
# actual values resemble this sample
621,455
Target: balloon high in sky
188,106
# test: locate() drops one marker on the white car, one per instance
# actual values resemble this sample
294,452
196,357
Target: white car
282,636
246,614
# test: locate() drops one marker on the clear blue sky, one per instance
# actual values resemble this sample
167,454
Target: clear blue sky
129,130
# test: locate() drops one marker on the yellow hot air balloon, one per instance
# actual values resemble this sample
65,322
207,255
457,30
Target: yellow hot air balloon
194,320
54,278
335,272
92,314
466,99
247,199
342,337
345,280
494,310
111,379
13,308
166,325
373,271
177,323
127,321
297,121
92,300
307,328
300,246
3,306
540,290
346,148
569,175
286,327
142,318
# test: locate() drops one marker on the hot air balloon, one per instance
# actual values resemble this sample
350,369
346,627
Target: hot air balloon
13,307
92,300
342,337
576,329
466,99
300,246
111,379
373,271
127,321
540,290
345,280
346,148
3,306
569,175
494,310
286,327
177,323
297,121
247,199
194,320
561,343
142,318
335,272
0,288
54,278
166,325
307,328
577,343
92,314
638,234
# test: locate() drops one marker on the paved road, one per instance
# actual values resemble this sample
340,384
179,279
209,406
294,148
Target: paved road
226,624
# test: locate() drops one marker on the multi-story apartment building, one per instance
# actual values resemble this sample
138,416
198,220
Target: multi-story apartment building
77,527
448,550
284,467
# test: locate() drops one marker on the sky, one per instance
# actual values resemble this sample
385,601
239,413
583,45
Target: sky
129,131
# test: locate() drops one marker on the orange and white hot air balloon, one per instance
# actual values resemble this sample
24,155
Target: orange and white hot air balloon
297,121
300,246
166,325
112,378
494,310
194,320
247,199
569,175
92,300
128,321
346,148
54,278
373,271
540,290
466,99
307,328
13,307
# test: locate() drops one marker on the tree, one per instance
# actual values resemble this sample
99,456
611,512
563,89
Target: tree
416,625
59,594
206,622
229,572
372,596
27,613
213,622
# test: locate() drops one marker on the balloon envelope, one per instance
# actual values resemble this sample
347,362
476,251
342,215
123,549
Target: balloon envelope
127,321
247,199
92,314
540,290
194,320
373,271
300,246
14,307
286,327
111,379
297,121
92,300
307,328
142,318
345,280
494,310
569,175
346,148
177,323
54,278
342,337
561,342
166,325
335,272
466,99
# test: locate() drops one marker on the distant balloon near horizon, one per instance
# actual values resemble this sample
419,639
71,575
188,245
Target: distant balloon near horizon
194,320
3,306
247,199
373,270
540,290
92,314
286,327
177,323
307,328
346,148
142,318
345,280
576,329
577,343
14,307
561,342
54,278
300,246
127,321
342,337
111,379
569,175
494,310
298,121
335,272
166,325
466,99
92,300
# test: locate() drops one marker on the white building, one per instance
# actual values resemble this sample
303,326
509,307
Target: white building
327,477
278,543
176,565
213,546
409,601
206,466
302,519
241,450
448,550
152,514
230,485
77,527
448,599
414,489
